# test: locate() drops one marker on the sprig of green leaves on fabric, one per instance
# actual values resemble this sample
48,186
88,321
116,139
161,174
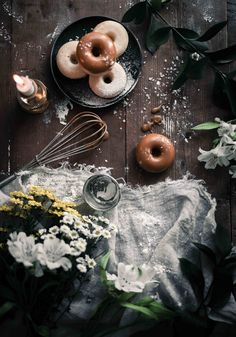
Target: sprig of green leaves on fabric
197,55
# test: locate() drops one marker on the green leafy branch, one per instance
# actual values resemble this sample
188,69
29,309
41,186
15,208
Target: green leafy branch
197,54
218,293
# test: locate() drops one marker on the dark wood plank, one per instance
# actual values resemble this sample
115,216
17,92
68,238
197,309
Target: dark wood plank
6,46
232,40
191,106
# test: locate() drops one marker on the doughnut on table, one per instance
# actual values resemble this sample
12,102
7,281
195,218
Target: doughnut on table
26,41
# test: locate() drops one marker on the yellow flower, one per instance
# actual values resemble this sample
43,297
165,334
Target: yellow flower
34,203
2,229
16,201
19,194
39,191
65,203
55,212
6,208
72,211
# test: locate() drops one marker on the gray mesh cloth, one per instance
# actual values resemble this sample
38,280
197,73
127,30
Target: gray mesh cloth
156,225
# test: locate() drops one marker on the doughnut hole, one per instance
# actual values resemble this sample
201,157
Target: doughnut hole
108,78
156,152
96,51
73,59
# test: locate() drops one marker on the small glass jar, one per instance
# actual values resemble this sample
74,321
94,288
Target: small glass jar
101,192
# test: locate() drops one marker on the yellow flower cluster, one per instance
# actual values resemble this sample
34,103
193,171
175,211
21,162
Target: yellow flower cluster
38,191
6,208
60,207
38,198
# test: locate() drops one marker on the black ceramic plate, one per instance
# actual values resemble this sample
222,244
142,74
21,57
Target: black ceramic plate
78,91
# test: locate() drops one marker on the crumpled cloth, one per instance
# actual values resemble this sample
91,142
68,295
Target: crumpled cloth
156,225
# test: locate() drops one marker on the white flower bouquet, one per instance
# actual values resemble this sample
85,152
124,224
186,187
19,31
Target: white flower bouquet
45,246
223,152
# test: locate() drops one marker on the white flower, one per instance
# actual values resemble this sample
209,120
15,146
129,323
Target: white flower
80,244
74,252
82,268
42,231
74,234
69,218
64,229
97,231
81,260
106,234
216,156
225,128
54,230
232,170
90,262
131,278
104,220
52,254
23,248
232,146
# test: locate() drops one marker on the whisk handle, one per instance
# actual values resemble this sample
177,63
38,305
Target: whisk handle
7,180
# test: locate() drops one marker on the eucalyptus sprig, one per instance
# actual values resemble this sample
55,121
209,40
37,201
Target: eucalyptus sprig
198,57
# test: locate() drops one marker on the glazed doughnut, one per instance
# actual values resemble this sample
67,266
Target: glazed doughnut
155,153
116,32
96,53
67,61
110,84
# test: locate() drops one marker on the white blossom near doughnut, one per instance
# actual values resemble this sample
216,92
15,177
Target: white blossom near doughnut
110,84
67,61
116,32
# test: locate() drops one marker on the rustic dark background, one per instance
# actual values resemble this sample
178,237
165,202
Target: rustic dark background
27,31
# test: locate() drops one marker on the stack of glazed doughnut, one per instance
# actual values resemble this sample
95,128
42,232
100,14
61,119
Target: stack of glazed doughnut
95,55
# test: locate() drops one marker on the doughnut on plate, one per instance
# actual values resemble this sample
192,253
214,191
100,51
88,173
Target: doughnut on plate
78,91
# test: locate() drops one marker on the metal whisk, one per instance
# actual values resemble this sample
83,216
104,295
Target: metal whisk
83,133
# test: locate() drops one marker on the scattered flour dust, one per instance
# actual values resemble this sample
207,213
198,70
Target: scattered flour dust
5,35
7,8
176,109
62,110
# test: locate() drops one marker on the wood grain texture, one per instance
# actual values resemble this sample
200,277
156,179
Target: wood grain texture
28,29
232,40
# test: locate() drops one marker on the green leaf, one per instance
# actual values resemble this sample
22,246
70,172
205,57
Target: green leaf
136,13
206,250
124,297
191,69
221,289
145,301
212,31
188,33
6,307
182,76
161,311
42,330
223,241
193,275
104,260
157,34
223,56
155,4
190,45
224,92
145,311
207,126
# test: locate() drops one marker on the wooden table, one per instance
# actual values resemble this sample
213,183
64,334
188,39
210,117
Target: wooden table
27,31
